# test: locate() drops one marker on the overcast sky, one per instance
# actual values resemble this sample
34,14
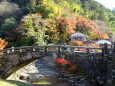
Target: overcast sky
107,3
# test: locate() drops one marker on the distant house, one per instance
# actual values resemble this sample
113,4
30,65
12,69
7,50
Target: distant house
88,42
79,37
101,42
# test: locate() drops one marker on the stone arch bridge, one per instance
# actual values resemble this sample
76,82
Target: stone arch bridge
99,63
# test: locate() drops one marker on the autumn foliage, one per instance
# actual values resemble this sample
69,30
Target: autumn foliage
62,61
67,65
70,23
3,43
66,23
104,36
76,43
88,27
61,28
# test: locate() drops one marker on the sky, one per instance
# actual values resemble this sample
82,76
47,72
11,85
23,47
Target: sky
107,3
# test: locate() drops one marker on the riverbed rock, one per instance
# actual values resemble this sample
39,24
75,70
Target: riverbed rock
24,77
37,69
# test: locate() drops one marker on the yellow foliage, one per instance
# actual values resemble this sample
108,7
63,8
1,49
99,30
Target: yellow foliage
65,4
75,8
105,36
51,15
73,68
55,10
99,51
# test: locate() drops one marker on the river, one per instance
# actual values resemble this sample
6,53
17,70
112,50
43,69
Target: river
51,77
64,79
50,82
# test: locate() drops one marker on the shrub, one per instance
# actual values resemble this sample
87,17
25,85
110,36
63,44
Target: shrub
104,36
76,43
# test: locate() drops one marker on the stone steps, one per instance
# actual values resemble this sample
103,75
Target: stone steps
75,80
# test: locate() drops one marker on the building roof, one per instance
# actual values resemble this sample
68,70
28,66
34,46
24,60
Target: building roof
102,41
78,34
88,42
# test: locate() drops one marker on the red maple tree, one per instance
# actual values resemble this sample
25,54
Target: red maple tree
3,43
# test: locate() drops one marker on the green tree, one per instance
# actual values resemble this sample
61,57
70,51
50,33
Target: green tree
8,25
33,30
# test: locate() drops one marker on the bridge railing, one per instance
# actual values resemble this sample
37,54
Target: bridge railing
57,47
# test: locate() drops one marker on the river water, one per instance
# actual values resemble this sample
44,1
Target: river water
52,77
50,82
64,79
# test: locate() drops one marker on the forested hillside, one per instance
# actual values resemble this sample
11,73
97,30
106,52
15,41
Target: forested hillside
29,22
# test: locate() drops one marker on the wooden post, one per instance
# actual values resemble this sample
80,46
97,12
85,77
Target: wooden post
45,50
105,50
88,50
103,53
114,47
59,52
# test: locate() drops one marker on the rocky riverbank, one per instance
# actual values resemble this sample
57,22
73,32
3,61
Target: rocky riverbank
34,70
75,80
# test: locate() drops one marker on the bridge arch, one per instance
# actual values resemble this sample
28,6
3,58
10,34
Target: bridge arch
16,67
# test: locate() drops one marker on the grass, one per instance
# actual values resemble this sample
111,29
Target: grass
12,83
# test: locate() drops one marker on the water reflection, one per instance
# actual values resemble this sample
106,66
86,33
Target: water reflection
49,82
